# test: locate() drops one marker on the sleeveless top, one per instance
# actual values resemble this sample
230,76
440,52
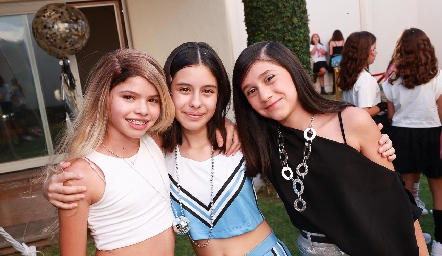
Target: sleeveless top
361,206
235,204
131,210
337,50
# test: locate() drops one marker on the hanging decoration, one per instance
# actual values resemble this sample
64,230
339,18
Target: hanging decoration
62,30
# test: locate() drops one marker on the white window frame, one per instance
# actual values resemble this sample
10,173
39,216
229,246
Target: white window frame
24,8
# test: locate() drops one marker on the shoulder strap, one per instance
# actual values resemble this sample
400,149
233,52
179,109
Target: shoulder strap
92,165
342,127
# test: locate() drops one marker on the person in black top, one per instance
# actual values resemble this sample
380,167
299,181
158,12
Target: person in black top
320,156
336,44
335,47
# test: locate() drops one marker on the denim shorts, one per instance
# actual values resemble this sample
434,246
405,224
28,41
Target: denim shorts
310,248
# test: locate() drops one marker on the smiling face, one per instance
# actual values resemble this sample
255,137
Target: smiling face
134,108
270,90
194,92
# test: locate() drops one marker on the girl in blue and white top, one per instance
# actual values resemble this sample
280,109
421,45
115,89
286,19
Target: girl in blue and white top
209,188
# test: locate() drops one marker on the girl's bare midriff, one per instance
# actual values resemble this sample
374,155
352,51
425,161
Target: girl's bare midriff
162,244
237,245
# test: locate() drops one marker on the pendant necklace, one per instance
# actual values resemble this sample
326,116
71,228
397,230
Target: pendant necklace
302,168
131,165
181,224
131,159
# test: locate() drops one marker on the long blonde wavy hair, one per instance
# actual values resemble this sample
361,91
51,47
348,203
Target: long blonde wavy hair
89,126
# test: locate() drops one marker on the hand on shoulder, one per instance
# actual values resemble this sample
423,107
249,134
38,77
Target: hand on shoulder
90,179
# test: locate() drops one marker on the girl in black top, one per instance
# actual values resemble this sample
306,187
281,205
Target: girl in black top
336,189
335,47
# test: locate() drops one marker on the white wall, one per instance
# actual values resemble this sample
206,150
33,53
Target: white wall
388,25
345,17
159,26
429,14
235,12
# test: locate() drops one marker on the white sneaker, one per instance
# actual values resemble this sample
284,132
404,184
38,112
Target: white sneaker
421,205
436,249
427,238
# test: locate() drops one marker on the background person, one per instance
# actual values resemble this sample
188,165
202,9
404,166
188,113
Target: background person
319,53
359,87
335,47
414,92
416,184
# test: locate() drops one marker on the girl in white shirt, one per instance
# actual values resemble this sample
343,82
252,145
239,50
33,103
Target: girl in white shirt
359,87
319,53
414,92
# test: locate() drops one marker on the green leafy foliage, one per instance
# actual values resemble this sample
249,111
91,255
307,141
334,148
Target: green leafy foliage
283,21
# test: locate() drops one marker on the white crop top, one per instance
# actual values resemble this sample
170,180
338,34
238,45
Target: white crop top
136,204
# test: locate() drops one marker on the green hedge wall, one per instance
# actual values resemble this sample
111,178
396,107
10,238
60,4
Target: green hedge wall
283,21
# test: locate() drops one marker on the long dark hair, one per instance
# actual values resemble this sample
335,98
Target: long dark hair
337,36
256,131
193,54
414,58
354,58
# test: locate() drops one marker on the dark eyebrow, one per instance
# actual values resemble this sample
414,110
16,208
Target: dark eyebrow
260,76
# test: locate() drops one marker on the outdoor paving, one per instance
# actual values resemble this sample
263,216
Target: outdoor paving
24,212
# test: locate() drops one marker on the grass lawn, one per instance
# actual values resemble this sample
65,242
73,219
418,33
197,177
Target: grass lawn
275,214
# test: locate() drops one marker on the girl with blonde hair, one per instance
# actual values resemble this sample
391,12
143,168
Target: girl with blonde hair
127,207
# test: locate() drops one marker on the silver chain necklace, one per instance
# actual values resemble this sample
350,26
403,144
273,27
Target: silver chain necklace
302,168
181,224
132,162
133,168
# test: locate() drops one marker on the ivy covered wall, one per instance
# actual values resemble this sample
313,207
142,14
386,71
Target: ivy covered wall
283,21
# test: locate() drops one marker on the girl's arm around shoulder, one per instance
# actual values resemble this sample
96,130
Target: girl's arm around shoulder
363,134
73,222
